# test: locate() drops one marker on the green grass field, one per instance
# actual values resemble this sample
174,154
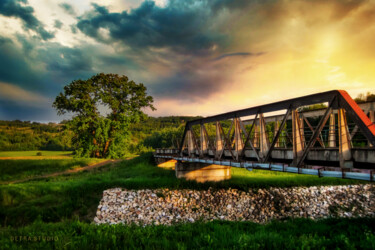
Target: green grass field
65,205
34,153
290,234
11,170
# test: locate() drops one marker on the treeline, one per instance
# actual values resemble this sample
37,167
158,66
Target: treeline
25,135
361,98
146,135
157,132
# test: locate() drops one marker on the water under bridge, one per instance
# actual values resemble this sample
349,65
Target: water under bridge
335,138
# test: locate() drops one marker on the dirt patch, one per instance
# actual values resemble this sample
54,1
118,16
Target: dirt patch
69,171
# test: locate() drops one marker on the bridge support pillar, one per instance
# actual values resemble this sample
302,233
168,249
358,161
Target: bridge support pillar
202,172
345,147
165,163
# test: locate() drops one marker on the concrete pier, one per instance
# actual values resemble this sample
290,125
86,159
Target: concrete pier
201,172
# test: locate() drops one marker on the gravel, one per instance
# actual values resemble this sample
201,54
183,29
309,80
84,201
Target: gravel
164,206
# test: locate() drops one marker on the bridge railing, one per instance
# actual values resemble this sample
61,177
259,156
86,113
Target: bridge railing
294,137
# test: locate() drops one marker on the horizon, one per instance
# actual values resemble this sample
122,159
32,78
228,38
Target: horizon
173,115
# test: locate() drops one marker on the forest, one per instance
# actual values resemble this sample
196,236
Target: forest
25,135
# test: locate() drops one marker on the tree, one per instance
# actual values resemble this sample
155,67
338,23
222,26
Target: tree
96,134
361,98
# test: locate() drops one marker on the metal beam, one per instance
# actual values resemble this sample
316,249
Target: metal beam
316,133
319,139
219,145
345,148
276,137
276,106
332,131
298,142
264,143
237,138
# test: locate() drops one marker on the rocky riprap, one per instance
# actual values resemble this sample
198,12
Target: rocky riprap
164,206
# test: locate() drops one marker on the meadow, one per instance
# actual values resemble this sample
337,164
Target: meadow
64,206
38,154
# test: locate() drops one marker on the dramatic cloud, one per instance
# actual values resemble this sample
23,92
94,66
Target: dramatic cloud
11,92
14,67
196,57
58,24
184,29
243,54
68,8
13,8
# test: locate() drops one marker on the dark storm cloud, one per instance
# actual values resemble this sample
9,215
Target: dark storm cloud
190,84
64,60
181,26
13,66
73,28
243,54
58,24
117,60
13,110
43,69
68,8
13,8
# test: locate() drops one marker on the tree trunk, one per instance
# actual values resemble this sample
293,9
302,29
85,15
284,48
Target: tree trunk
107,144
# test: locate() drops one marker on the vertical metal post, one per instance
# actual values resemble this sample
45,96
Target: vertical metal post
203,141
372,119
332,131
277,135
298,145
191,148
237,138
263,138
256,137
302,129
218,142
276,129
345,153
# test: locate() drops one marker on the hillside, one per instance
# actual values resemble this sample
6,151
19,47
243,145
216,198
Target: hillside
25,135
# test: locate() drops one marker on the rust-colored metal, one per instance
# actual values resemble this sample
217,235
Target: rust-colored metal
237,139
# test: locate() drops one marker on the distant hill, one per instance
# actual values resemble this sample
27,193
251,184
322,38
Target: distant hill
25,135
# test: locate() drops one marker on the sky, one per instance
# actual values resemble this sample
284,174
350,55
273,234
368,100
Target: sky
195,57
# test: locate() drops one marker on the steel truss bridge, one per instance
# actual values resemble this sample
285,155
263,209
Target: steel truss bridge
336,140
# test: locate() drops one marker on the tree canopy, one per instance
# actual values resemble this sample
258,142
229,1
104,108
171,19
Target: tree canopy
103,108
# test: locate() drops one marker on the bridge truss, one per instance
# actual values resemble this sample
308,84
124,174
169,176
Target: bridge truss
337,140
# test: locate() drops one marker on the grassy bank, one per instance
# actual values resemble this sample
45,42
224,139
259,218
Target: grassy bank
289,234
21,169
77,195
